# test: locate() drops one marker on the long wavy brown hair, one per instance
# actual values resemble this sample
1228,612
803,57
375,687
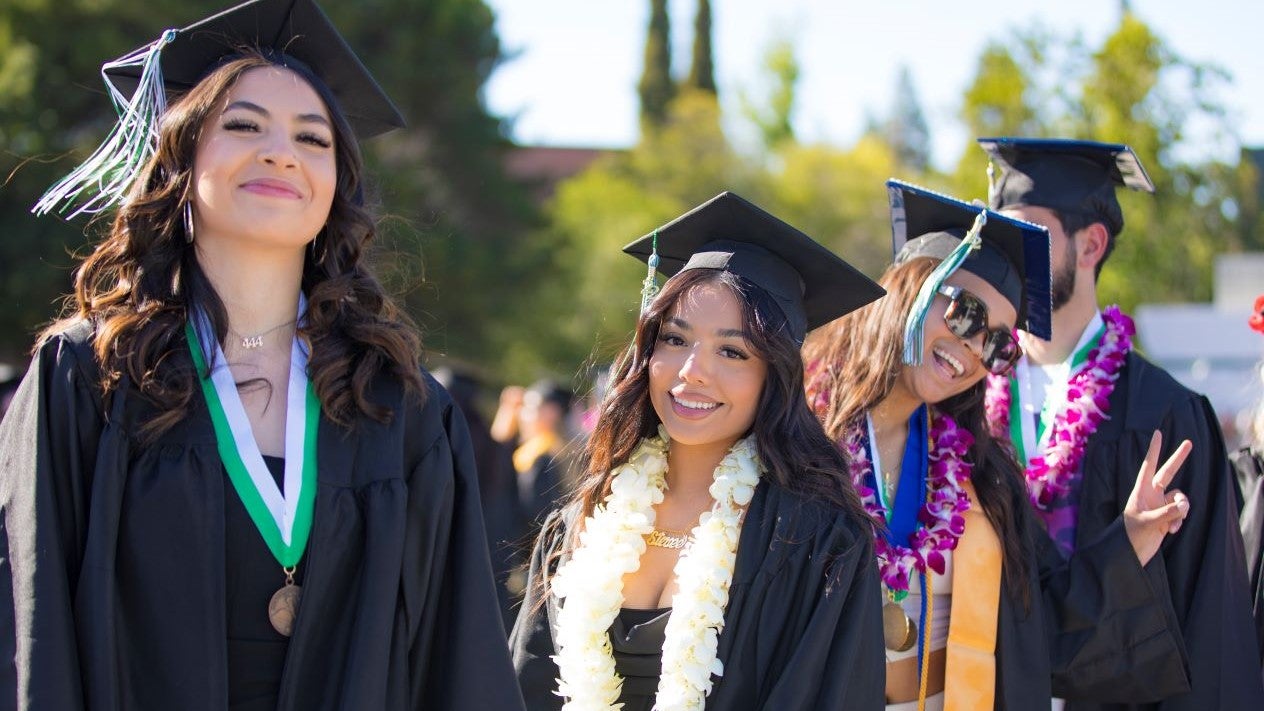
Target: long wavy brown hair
141,282
793,448
853,363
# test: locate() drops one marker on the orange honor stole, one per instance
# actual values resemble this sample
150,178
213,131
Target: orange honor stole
970,672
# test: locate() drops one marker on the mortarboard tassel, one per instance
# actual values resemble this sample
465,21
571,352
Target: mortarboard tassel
649,287
921,305
108,172
991,171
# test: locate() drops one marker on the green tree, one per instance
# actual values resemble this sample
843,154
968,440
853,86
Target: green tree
906,129
656,88
773,114
53,112
685,162
1247,202
1141,93
702,69
838,196
457,245
1132,89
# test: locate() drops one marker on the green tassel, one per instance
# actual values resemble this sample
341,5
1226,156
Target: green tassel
649,287
913,327
101,181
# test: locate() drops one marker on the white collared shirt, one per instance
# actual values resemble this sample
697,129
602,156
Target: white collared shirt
1045,386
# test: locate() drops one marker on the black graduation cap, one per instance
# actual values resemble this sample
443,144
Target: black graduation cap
1065,175
1014,255
296,29
811,284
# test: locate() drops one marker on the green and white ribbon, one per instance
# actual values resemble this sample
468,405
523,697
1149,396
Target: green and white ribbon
283,519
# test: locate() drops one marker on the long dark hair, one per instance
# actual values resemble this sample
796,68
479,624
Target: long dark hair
853,364
139,285
793,448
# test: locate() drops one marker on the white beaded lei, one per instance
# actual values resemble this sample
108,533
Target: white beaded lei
610,547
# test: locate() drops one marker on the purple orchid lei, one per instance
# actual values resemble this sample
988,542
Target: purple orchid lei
941,520
1088,399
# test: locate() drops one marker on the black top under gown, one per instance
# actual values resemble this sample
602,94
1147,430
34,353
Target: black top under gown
637,638
256,651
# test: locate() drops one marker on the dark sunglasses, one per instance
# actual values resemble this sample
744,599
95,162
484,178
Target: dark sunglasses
967,317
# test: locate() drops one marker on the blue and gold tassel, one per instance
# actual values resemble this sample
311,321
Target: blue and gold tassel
102,180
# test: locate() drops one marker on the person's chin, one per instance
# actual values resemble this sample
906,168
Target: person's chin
693,434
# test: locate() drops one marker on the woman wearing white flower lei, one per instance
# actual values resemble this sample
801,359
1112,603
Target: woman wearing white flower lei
714,554
967,594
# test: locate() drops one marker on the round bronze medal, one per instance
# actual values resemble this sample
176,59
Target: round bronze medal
283,608
898,629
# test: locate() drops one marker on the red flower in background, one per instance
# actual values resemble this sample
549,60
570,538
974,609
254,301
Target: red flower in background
1257,316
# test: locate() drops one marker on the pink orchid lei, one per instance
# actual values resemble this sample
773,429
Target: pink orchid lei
1088,398
941,519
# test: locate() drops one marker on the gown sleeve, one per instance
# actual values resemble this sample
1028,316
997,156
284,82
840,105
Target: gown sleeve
1250,471
839,662
1112,632
48,443
531,641
1206,568
466,663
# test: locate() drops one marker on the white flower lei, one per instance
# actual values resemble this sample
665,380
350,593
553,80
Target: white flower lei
611,546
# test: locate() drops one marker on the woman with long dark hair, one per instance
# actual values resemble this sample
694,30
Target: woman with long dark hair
714,554
979,611
227,481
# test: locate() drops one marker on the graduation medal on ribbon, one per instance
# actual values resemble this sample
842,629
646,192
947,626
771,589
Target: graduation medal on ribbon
283,519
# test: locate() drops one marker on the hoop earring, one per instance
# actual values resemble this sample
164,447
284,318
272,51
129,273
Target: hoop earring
318,259
188,222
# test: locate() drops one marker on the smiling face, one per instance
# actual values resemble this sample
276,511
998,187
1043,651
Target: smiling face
951,365
265,170
705,380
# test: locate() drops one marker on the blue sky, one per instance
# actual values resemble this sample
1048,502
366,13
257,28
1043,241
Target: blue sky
573,79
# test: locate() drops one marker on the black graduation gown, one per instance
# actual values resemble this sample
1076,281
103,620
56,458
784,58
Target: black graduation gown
1203,563
1098,614
502,515
802,629
113,592
1250,470
1111,627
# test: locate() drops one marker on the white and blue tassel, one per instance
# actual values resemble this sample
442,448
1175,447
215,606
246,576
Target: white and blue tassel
649,287
913,326
102,180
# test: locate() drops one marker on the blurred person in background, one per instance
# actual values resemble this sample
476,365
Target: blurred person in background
540,459
1248,462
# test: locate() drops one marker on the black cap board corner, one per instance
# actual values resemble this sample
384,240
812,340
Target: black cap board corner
1064,174
811,284
297,29
1015,257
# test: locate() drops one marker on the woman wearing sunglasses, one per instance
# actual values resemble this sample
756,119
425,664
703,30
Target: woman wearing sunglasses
978,612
